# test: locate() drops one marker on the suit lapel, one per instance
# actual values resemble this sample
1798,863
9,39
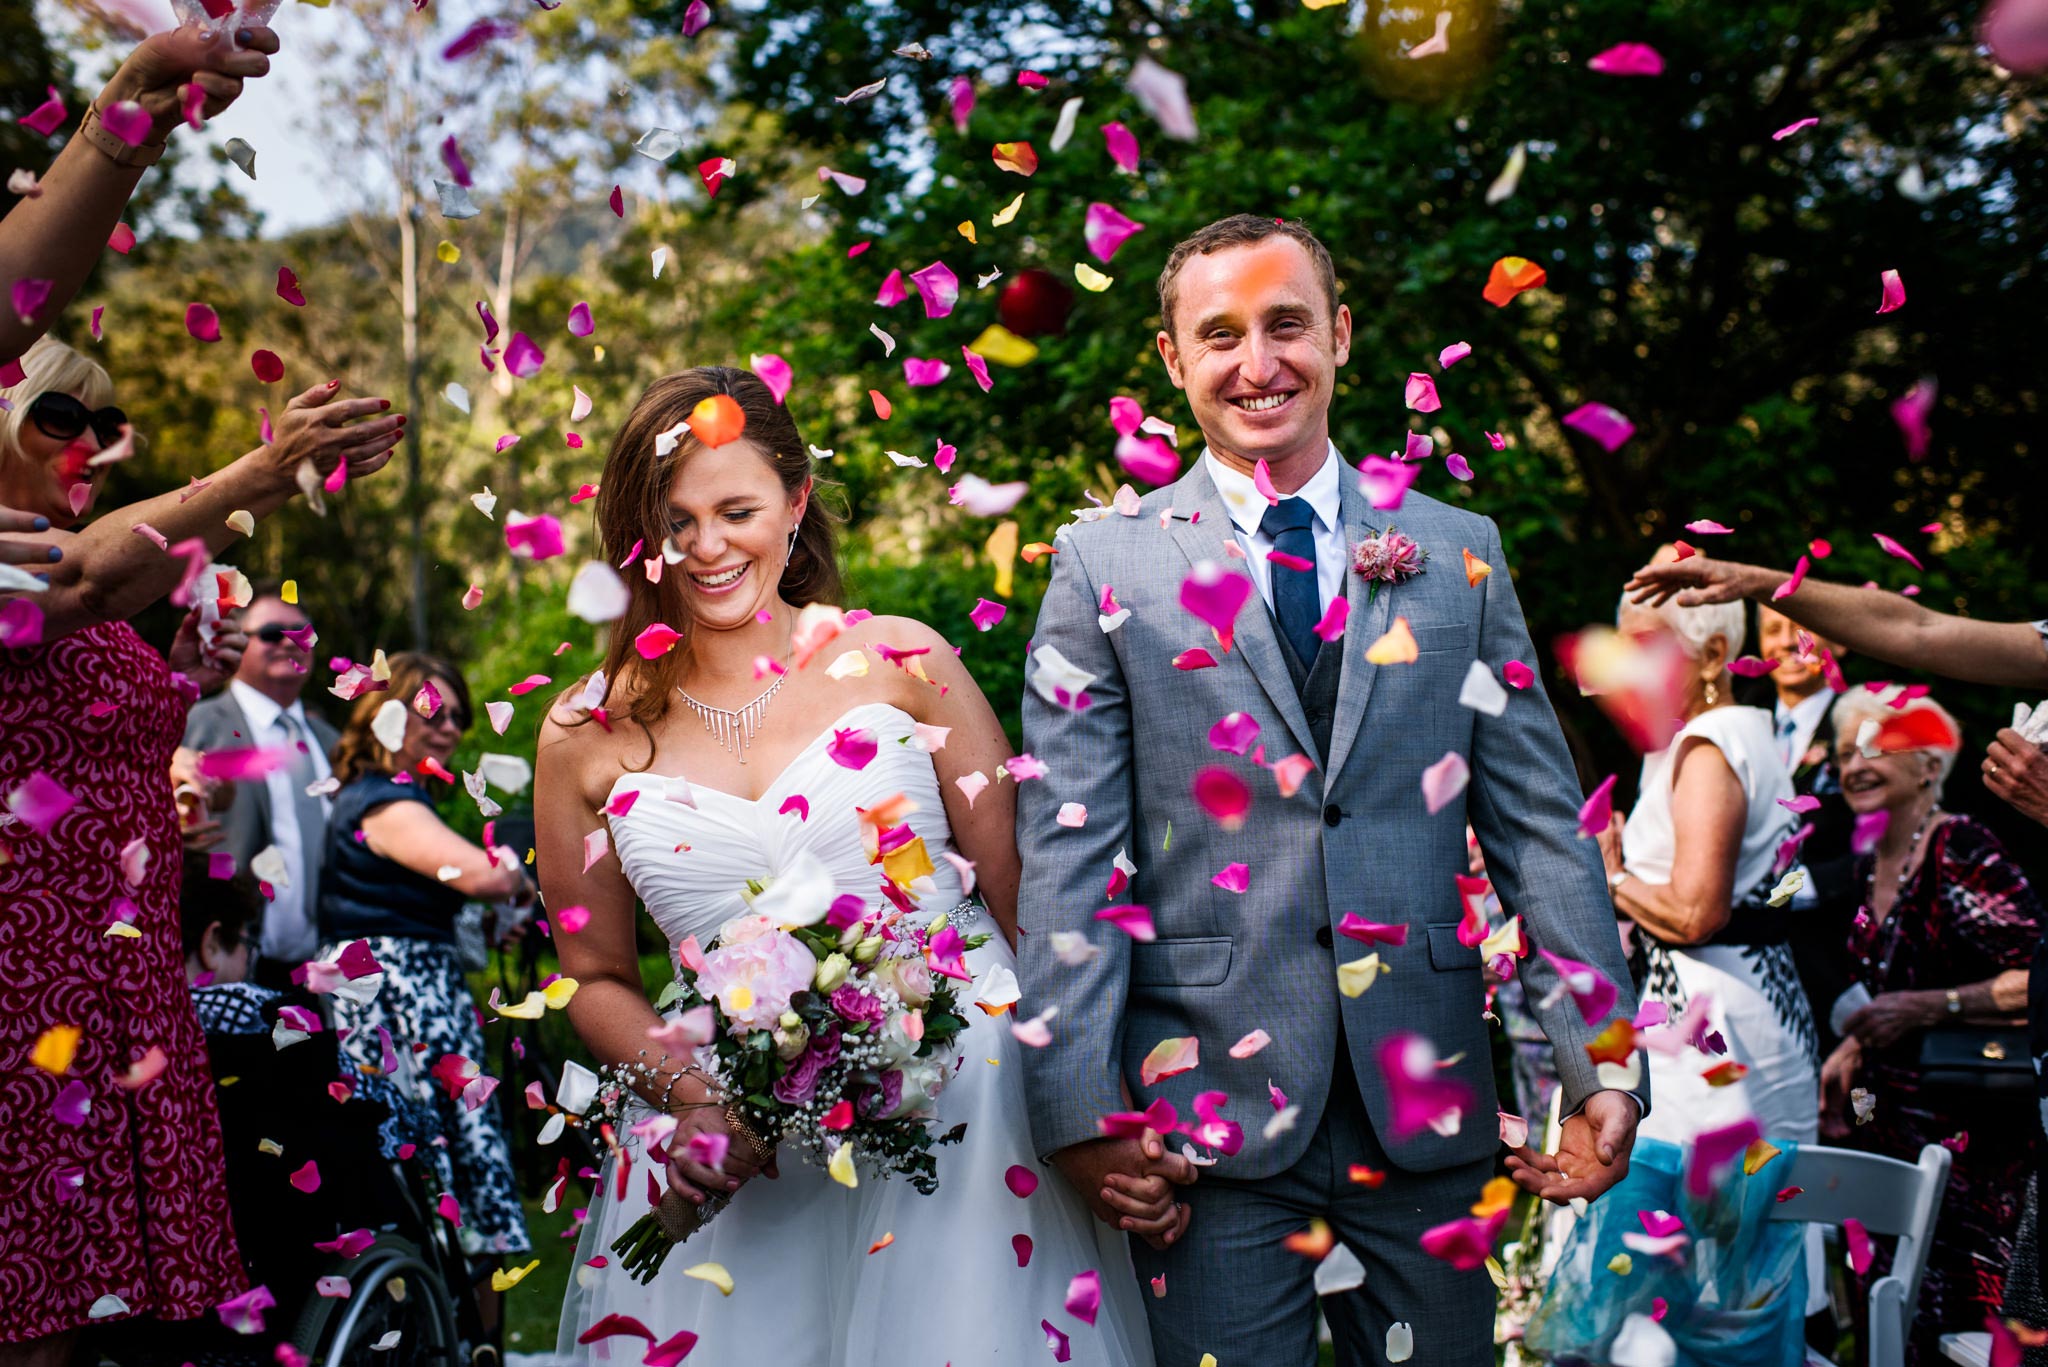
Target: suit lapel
1367,623
1254,637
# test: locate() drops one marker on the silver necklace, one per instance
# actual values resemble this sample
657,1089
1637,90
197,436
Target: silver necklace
733,728
1889,925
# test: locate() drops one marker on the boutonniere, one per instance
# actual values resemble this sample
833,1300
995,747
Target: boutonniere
1814,755
1388,558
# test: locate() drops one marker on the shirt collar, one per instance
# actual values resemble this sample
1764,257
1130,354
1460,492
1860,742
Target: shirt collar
1807,708
1247,507
263,711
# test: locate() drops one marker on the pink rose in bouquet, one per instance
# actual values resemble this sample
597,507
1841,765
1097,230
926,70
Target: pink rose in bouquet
752,980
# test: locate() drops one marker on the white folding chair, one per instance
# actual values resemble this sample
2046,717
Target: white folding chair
1890,1198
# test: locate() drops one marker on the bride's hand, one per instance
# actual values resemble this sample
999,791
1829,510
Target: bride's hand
1147,1203
697,1180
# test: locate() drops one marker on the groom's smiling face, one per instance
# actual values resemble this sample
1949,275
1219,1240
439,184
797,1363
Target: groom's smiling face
1256,348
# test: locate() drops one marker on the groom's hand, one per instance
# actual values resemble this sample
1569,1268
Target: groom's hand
1592,1151
1130,1184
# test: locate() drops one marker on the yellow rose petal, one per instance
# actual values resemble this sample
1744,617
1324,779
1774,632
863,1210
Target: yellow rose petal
907,862
451,254
124,930
714,1273
1759,1152
966,230
852,665
54,1049
531,1008
1002,552
504,1280
289,592
1497,1195
1091,279
1004,347
1397,647
1621,1264
559,992
841,1167
1007,213
242,522
1353,978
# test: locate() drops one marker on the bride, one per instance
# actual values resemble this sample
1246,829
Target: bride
742,773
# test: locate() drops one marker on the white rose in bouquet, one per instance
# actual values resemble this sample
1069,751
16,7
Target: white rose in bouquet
923,1080
910,976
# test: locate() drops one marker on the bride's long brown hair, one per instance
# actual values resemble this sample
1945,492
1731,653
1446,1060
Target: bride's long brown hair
633,509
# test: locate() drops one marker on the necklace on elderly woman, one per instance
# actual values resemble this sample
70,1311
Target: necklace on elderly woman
1906,872
734,727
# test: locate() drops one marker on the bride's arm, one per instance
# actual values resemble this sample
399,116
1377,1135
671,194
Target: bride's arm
610,1011
984,829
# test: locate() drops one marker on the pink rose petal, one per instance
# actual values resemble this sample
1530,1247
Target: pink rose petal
1334,617
21,624
892,292
1250,1044
852,747
1592,991
1356,927
1232,877
1418,1091
1121,142
522,357
1197,658
1214,596
307,1178
533,538
696,18
580,323
1514,1131
1603,424
1223,795
1084,1296
1454,353
1106,229
1421,393
1628,59
1796,126
47,117
919,372
1384,482
938,287
1715,1152
1596,813
1464,1244
1148,458
985,614
202,322
1134,921
1444,780
962,100
1234,733
1858,1240
655,640
775,373
244,1313
1894,290
1458,466
673,1350
977,366
1021,1181
1891,547
39,801
129,122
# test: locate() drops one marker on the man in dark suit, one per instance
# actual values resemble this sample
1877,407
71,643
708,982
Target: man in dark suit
1799,699
276,827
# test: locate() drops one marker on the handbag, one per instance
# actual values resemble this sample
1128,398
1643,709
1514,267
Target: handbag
1984,1058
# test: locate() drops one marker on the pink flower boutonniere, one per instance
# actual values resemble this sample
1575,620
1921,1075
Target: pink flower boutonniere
1389,558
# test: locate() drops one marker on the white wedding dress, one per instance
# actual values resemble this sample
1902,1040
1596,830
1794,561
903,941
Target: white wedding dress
807,1291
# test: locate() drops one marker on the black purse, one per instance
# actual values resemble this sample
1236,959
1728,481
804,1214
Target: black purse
1979,1058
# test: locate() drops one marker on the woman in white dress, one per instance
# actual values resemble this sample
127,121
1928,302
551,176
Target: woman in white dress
1693,868
737,772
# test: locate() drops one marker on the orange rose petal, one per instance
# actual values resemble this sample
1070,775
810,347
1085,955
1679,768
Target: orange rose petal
717,420
1397,647
1757,1155
1314,1242
1475,569
1035,549
1372,1179
882,408
1509,277
1613,1044
1497,1195
878,1245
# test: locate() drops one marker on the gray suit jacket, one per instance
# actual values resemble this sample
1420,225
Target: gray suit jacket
1355,838
217,723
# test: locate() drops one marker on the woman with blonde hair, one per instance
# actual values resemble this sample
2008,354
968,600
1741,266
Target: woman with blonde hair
1938,955
395,877
111,1196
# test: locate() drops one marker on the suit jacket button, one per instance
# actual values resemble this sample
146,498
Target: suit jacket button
1324,938
1331,816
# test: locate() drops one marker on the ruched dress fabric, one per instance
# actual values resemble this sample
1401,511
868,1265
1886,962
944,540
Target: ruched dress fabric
807,1292
119,1192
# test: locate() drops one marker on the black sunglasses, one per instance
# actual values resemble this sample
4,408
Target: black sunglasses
270,633
60,417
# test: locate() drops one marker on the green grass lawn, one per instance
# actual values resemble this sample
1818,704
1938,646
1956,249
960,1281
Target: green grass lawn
533,1307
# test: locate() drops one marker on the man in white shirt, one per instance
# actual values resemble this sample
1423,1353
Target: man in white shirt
276,829
1803,695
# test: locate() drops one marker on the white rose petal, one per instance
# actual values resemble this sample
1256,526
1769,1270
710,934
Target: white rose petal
800,895
506,773
1056,674
1072,815
1482,692
999,990
1071,947
1642,1342
1284,1120
1064,129
597,594
500,714
1400,1341
457,395
270,866
1339,1270
576,1089
106,1305
388,726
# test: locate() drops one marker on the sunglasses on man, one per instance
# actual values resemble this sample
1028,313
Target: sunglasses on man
61,417
271,633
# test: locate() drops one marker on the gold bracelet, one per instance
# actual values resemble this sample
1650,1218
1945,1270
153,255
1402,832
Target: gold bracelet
737,1123
95,132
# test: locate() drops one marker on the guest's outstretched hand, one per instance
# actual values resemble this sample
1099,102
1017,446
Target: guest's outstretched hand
1592,1152
2017,771
1695,581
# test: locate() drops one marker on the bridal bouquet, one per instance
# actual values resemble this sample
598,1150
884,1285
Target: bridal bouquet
833,1038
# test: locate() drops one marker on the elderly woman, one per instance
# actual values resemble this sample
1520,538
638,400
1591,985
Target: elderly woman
1942,942
395,876
1693,868
111,1203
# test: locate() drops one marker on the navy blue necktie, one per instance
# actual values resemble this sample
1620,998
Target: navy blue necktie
1296,599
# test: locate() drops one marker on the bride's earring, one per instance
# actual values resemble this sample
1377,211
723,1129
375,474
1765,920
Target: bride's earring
1713,693
790,554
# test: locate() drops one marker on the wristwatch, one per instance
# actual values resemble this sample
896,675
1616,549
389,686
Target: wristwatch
1615,880
1955,1002
93,131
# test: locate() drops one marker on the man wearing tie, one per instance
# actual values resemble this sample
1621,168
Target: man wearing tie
260,708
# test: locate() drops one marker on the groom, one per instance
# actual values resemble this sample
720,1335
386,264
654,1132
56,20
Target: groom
1253,918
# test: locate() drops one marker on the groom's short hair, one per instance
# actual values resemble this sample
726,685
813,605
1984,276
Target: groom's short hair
1241,230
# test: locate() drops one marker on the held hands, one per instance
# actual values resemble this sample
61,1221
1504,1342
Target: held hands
1592,1152
320,427
164,66
1129,1184
2016,771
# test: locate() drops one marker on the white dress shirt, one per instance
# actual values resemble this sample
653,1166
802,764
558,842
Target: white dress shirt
1803,721
290,933
1247,507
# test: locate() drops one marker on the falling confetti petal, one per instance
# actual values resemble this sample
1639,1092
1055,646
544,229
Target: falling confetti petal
1164,95
1628,59
1894,291
1603,424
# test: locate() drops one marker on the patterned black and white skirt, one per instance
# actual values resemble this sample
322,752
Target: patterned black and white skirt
425,1001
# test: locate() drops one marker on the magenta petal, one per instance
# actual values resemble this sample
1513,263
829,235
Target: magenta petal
29,296
1458,466
1215,596
458,167
1371,932
1603,424
1444,780
1868,830
1797,125
1454,353
1911,411
1519,675
938,287
1021,1180
1133,920
1894,292
489,320
672,1351
1234,733
1596,813
977,366
47,117
73,1104
1628,59
920,372
775,373
357,961
535,538
1020,1244
963,104
244,1313
798,803
522,357
243,764
39,802
1891,547
1224,1136
129,122
1715,1152
580,324
1417,1089
1858,1240
202,322
1106,229
1148,458
1334,617
1122,144
1057,1343
985,614
1660,1224
1706,526
1125,415
1386,482
1417,446
696,18
1421,393
1233,877
1084,1296
21,624
1791,586
892,292
852,747
1592,991
1464,1244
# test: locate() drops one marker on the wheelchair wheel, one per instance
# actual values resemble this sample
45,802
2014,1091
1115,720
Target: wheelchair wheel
394,1288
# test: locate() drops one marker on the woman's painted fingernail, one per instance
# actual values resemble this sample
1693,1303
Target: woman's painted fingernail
56,553
243,36
41,524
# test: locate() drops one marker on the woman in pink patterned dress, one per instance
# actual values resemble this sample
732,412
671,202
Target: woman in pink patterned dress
112,1203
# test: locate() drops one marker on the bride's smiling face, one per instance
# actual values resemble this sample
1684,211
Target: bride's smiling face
730,519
